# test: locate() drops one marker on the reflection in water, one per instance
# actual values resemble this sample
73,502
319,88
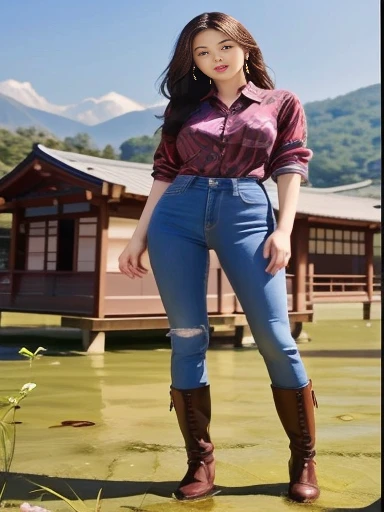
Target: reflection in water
74,423
177,506
226,363
134,451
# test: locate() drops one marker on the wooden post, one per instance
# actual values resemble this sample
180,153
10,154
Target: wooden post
94,342
101,261
311,281
369,263
13,250
300,246
369,273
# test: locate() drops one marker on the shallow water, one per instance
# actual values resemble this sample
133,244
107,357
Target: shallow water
134,450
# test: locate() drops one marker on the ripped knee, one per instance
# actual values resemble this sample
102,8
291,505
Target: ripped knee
198,338
187,332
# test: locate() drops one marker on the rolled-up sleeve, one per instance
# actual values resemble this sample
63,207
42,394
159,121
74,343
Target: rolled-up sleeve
166,163
290,153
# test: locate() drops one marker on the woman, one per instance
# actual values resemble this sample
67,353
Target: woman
226,130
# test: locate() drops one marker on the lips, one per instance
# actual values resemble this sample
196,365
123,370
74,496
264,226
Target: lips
220,68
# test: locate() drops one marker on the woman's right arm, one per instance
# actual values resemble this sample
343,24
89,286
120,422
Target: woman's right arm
166,167
130,259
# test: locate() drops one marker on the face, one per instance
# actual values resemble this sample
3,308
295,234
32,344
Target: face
216,55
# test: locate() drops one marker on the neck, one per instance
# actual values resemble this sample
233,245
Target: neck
229,88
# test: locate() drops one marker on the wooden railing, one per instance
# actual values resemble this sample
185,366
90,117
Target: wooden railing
339,286
49,291
377,285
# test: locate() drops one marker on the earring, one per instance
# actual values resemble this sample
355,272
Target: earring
246,66
193,72
210,81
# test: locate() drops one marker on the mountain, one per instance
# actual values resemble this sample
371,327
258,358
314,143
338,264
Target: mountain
344,134
89,111
93,111
121,128
14,115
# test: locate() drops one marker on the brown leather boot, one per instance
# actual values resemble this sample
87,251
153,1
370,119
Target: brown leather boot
295,408
193,410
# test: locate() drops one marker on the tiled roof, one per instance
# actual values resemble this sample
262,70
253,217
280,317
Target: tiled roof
136,178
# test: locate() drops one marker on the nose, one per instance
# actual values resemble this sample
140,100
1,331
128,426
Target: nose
217,59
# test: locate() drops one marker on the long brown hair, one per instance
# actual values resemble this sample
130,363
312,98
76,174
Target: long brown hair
178,84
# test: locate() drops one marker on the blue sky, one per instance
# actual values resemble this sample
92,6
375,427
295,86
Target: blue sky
79,48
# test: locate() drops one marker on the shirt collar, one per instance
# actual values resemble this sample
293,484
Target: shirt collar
250,91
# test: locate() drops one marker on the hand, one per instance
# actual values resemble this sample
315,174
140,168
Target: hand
278,248
130,259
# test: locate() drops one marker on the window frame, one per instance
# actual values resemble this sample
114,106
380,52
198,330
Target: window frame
322,241
27,221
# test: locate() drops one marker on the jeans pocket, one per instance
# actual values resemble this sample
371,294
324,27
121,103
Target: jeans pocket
179,185
252,193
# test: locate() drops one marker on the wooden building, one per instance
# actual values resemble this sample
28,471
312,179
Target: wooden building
72,215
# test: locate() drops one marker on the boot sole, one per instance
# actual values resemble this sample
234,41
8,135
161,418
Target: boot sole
210,494
305,500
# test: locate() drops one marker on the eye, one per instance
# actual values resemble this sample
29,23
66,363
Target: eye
227,46
201,53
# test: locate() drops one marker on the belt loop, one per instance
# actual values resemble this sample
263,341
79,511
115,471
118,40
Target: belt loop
235,185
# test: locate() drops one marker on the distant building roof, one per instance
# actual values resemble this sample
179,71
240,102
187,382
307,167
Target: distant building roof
137,180
340,188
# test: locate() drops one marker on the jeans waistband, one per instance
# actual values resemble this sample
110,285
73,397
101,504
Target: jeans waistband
205,182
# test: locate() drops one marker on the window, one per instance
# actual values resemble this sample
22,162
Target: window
336,241
58,245
36,246
86,254
76,207
52,244
38,211
5,242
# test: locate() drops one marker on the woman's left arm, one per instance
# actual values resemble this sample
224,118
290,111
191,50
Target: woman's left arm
278,245
288,166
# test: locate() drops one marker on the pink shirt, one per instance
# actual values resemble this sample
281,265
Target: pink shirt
263,134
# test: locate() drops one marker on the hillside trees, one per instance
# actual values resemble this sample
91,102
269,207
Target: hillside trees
140,149
15,146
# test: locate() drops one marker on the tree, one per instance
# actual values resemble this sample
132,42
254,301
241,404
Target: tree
139,149
109,152
81,143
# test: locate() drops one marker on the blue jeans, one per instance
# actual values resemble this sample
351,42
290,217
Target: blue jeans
234,217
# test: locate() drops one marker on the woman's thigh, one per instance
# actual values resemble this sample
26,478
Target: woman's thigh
179,259
180,262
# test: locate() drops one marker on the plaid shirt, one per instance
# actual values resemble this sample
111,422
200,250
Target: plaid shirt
263,134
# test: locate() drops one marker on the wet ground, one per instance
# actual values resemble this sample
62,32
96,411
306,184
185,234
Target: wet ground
134,449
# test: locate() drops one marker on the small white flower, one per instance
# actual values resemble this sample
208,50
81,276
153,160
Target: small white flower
12,400
28,387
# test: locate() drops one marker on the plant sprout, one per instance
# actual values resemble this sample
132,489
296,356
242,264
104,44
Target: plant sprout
8,406
31,355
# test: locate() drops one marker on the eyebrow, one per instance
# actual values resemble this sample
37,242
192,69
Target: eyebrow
220,42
